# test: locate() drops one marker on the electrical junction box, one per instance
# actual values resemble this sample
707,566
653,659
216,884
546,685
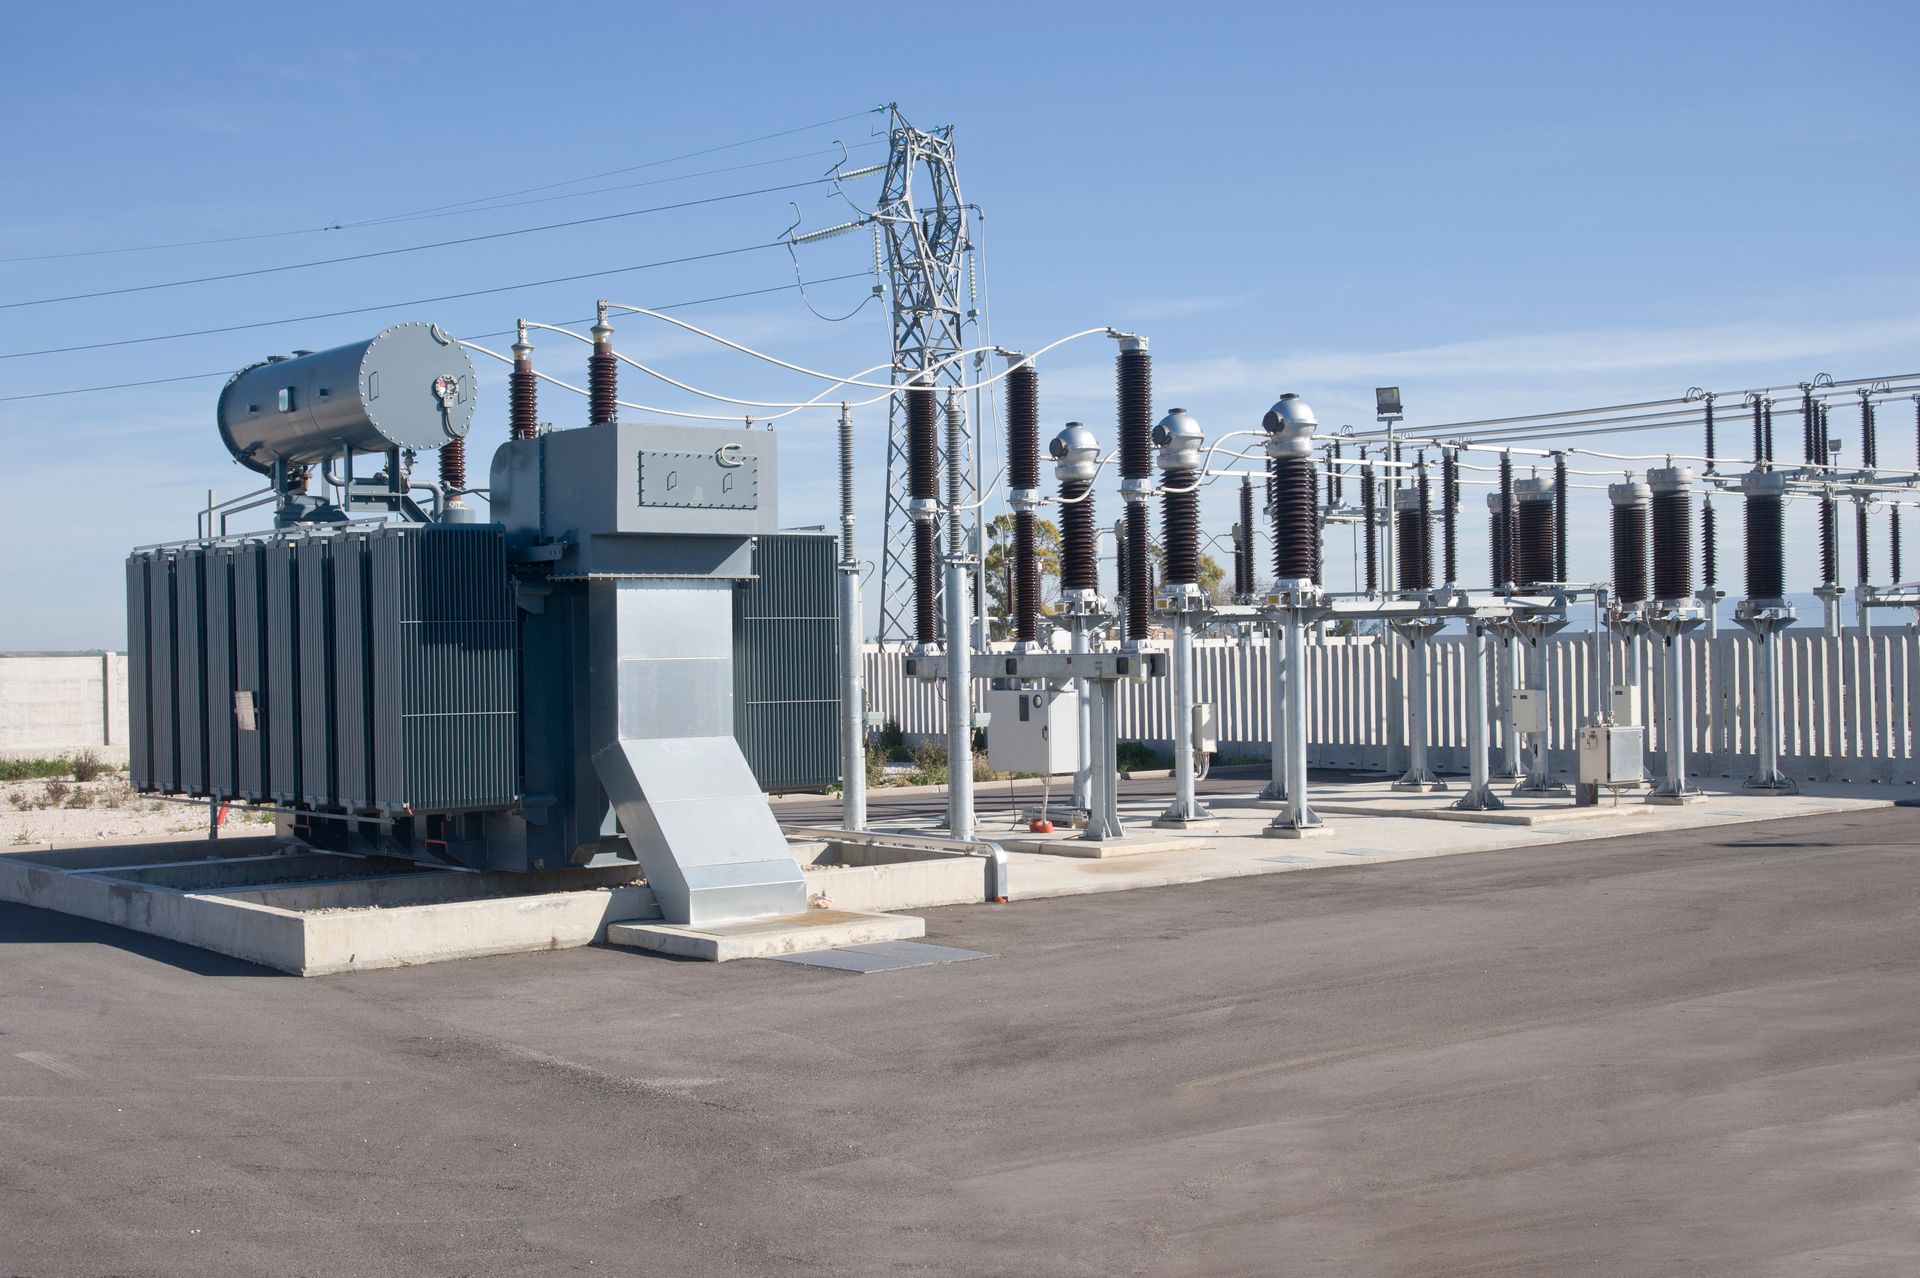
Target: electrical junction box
1612,756
1206,728
1033,730
1623,705
1529,711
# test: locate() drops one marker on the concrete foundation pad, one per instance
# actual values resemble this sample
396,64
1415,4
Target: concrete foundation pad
1419,787
312,914
1513,815
768,937
1296,831
1073,845
1181,823
1674,800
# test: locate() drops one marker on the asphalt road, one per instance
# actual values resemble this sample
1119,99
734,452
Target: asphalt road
1690,1056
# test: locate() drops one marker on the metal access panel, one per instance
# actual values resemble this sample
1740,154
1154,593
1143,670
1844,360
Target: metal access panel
445,710
710,480
786,674
1033,730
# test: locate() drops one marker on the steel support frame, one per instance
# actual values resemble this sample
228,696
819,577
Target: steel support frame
1188,610
1293,607
1530,652
1276,787
1479,796
1102,672
1418,776
1764,619
1670,625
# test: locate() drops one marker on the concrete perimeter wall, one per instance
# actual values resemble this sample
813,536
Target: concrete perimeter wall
61,703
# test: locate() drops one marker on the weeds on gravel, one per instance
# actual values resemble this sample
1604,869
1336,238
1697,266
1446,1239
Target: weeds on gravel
34,769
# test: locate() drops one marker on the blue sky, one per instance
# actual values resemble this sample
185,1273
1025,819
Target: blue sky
1502,208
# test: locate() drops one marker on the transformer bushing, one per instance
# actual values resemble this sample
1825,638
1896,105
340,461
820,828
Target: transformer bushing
1295,604
1765,612
1672,613
1076,457
603,374
1180,442
1535,513
523,390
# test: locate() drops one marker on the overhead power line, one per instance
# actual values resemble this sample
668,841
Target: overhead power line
631,168
418,301
414,248
464,206
666,306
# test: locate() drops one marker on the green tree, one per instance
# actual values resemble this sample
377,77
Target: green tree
1213,578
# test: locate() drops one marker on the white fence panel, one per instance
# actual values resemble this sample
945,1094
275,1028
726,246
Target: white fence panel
1848,703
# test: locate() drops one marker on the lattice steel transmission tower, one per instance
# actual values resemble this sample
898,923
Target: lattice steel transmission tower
920,224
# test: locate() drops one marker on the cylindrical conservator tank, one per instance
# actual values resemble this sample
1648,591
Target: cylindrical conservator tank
409,386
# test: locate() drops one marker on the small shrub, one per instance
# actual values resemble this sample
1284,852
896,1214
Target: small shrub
79,799
20,800
1138,756
929,761
876,768
57,792
890,743
982,771
87,766
115,794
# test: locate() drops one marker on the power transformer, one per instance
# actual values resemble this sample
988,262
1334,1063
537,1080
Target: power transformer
616,668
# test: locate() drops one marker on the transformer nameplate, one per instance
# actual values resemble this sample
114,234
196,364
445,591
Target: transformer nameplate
719,480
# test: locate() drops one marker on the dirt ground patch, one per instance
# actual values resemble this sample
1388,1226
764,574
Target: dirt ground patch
61,810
